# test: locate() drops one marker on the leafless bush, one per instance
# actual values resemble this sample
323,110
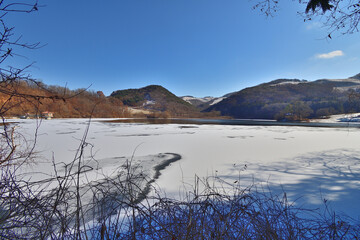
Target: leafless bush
244,214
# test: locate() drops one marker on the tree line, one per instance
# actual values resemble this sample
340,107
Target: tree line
63,102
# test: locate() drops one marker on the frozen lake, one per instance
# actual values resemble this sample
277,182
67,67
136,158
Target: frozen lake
311,164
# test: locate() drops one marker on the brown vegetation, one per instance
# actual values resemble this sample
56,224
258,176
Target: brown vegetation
24,98
64,103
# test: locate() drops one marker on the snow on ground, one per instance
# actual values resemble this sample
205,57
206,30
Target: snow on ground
217,100
351,117
204,99
313,164
286,82
137,111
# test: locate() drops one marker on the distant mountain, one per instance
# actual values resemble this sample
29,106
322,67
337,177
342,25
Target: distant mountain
155,98
202,103
292,98
357,76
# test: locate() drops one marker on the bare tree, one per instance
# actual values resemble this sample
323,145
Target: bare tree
9,41
13,79
21,208
337,15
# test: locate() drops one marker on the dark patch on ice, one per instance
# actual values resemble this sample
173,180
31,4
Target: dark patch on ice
158,168
135,135
113,201
66,132
181,127
280,138
106,131
241,137
149,135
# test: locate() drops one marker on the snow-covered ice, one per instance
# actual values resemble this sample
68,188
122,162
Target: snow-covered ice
310,164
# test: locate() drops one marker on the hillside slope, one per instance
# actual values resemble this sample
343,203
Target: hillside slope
357,76
292,98
15,101
156,98
202,103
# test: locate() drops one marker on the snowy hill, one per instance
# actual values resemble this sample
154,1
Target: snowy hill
292,97
202,103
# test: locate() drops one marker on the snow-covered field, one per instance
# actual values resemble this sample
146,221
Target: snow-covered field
352,117
310,164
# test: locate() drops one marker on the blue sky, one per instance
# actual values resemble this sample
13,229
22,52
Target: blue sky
191,47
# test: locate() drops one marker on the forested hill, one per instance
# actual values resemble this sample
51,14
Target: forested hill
155,98
28,98
31,99
293,99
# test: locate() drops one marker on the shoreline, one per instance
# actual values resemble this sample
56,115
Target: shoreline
239,122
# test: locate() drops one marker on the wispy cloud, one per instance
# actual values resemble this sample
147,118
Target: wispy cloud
332,54
354,59
313,25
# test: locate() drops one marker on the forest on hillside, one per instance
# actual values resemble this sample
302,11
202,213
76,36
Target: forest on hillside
291,101
157,98
32,98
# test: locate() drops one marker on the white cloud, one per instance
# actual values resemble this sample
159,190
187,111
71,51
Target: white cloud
332,54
